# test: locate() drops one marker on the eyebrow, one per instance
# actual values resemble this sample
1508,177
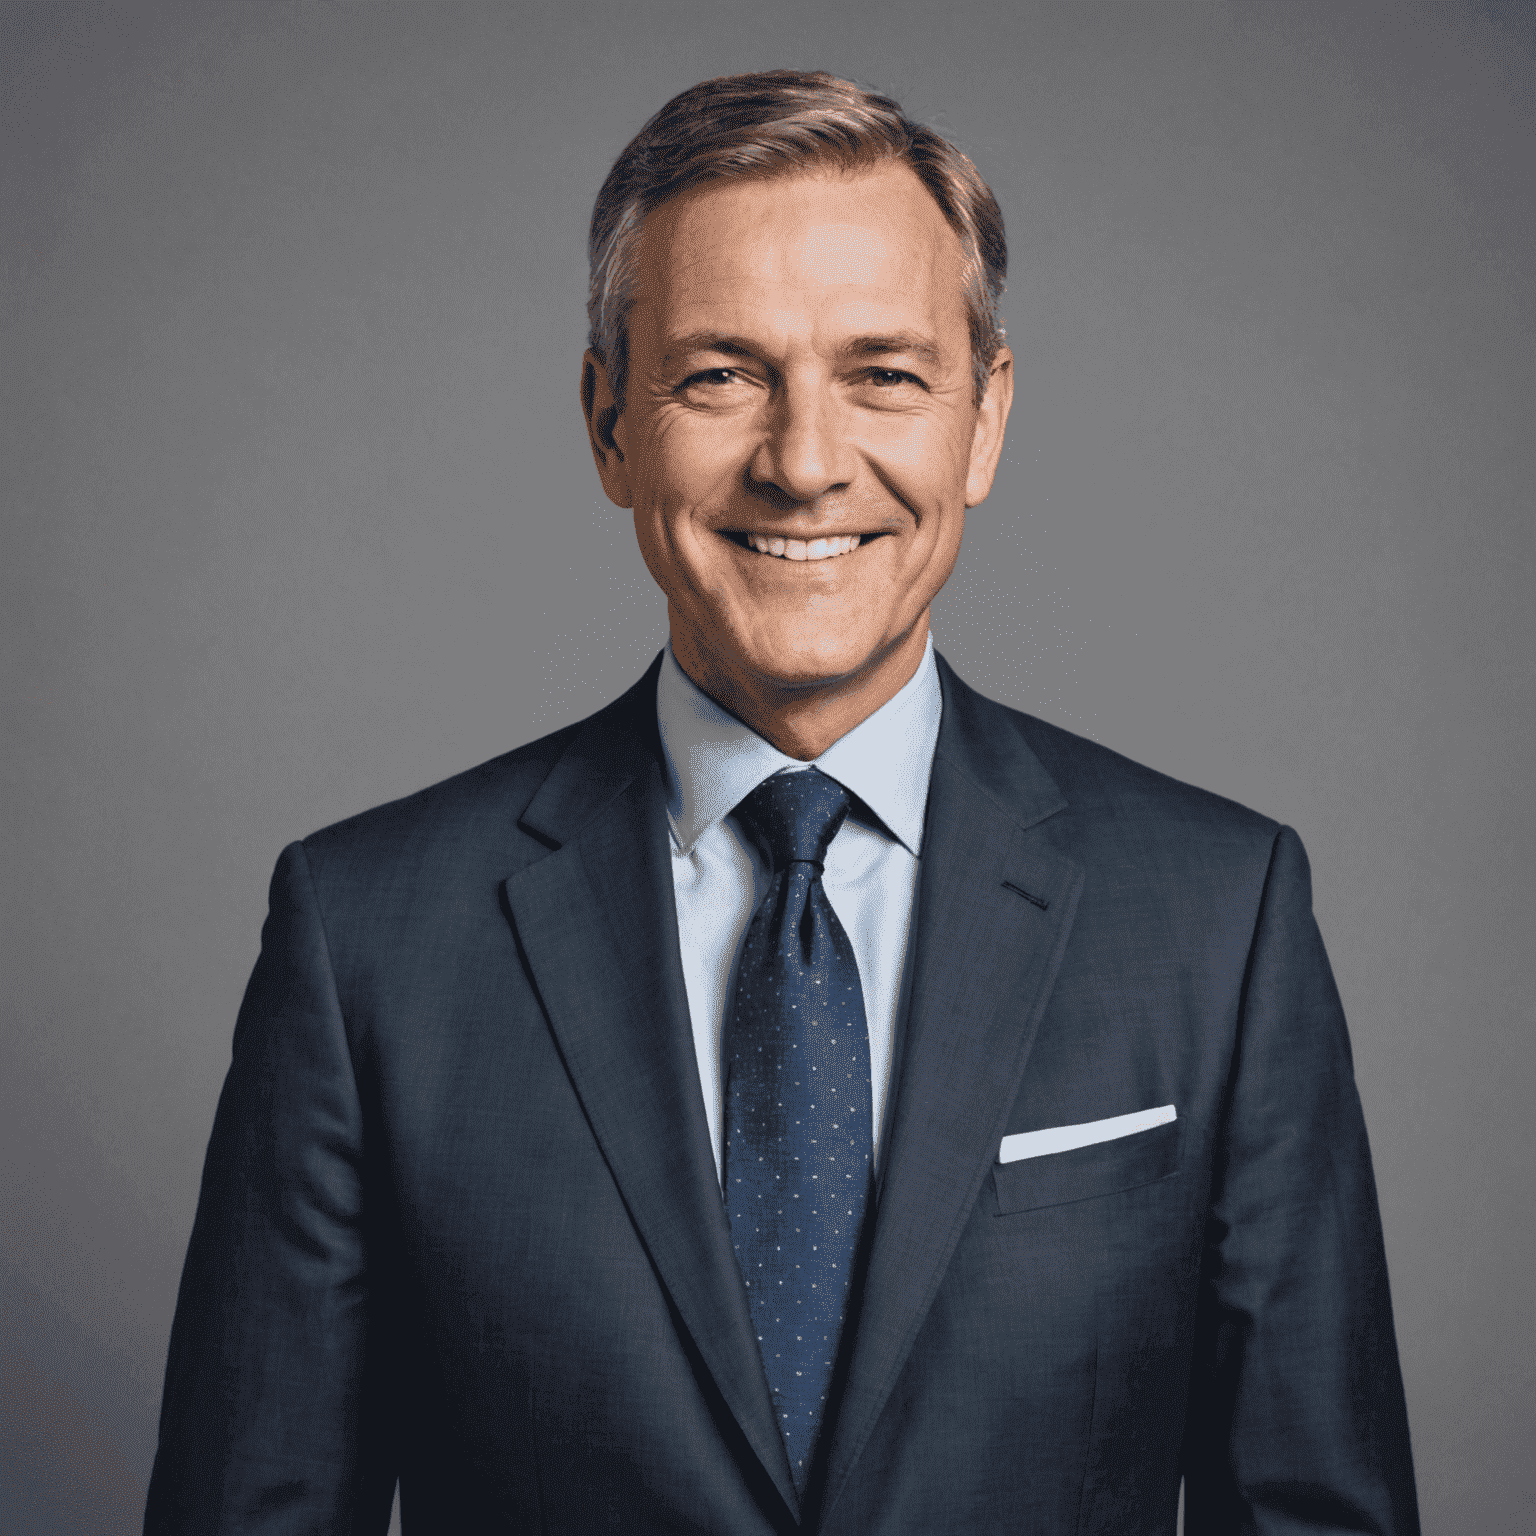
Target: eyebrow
707,341
904,343
896,343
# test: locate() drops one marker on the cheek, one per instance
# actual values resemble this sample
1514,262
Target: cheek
683,457
924,466
677,483
937,506
681,477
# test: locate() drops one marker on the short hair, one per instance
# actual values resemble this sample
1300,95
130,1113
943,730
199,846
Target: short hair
750,127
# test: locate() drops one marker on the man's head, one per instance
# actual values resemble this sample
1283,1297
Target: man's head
794,339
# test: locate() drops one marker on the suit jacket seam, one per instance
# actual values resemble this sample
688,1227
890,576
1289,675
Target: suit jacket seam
360,1470
1261,909
330,960
1093,1406
1222,1122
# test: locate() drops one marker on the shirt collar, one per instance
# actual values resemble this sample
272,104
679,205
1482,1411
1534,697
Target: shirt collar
714,761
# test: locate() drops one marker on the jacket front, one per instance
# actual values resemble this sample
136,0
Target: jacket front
460,1222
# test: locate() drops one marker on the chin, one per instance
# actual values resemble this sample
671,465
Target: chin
802,665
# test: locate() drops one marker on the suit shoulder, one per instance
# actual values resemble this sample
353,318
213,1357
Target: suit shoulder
473,804
1099,783
484,799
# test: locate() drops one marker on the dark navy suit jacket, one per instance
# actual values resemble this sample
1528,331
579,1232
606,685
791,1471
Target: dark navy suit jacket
460,1221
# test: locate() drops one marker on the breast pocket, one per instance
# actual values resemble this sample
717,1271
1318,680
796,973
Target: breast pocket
1086,1173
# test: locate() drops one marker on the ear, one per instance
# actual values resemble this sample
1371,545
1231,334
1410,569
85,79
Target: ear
991,422
597,405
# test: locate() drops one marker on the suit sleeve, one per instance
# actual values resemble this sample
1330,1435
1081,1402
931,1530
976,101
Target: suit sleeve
1296,1420
268,1419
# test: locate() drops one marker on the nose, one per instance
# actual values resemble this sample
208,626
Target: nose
804,452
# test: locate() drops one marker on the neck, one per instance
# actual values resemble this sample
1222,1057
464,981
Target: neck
803,719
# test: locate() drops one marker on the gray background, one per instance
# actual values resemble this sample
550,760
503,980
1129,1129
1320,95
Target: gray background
298,516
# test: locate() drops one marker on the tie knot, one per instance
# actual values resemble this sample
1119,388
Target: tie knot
795,816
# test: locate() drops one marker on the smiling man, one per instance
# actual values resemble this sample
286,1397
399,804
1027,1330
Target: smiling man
803,428
804,1095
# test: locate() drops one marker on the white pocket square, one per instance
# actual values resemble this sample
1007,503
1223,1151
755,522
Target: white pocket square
1063,1138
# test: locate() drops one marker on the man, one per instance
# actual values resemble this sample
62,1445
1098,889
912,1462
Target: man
805,1094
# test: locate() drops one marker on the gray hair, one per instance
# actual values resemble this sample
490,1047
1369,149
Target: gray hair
743,127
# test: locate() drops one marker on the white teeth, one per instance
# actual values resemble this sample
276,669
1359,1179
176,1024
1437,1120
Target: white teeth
801,549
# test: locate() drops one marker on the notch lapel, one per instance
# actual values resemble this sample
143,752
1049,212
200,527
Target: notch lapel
995,907
597,922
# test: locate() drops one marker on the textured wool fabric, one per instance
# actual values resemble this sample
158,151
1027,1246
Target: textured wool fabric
461,1222
797,1102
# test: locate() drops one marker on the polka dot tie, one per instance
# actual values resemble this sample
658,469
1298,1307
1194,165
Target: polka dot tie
797,1100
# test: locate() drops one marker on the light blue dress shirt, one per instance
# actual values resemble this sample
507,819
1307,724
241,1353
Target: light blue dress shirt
718,876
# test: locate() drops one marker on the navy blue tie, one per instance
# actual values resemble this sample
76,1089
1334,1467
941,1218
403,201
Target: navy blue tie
797,1102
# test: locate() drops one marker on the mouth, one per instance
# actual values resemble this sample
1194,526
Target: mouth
777,547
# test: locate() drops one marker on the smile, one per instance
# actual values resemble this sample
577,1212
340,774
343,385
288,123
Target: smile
802,549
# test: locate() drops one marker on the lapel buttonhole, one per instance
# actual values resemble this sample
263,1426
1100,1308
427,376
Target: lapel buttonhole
1018,890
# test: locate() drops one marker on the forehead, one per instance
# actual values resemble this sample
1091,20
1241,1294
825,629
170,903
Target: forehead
868,250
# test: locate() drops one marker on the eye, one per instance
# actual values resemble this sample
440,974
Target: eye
892,378
716,389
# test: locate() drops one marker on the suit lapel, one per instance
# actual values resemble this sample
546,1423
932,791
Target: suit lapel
995,906
596,919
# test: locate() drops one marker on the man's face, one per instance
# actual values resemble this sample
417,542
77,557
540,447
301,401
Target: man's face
800,378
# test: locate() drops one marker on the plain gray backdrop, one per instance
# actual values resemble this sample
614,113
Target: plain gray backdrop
299,516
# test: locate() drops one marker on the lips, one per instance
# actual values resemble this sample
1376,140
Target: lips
802,549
